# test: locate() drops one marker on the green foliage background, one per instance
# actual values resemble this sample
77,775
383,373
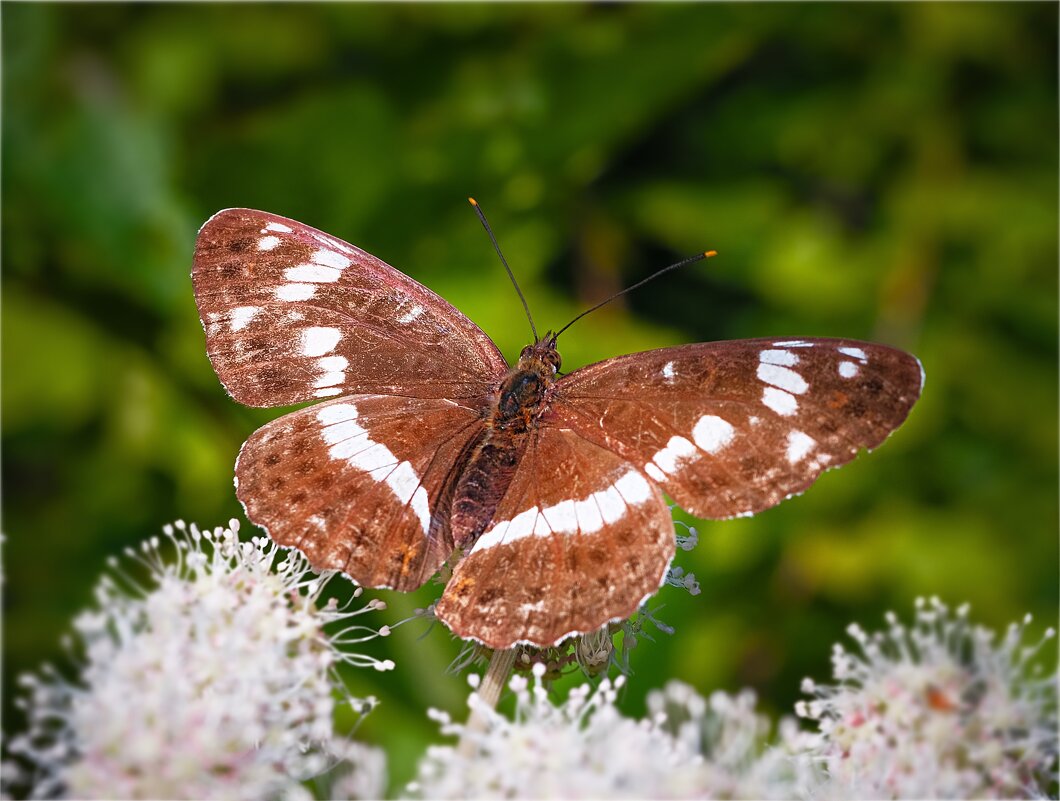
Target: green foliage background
887,172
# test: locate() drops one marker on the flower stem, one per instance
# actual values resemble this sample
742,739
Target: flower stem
489,691
500,668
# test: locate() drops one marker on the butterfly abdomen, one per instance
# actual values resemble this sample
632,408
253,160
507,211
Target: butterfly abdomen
520,399
483,483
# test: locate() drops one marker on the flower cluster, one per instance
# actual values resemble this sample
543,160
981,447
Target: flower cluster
938,710
584,748
736,757
215,678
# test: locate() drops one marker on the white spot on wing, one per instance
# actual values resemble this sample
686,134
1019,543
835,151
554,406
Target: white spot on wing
275,226
329,363
358,445
406,486
494,535
330,258
314,273
785,358
330,379
523,523
318,340
293,292
856,353
328,392
589,518
848,369
712,433
562,517
799,444
782,377
268,242
411,314
584,516
781,402
336,413
350,441
342,432
240,317
612,507
652,470
677,450
377,460
633,488
668,371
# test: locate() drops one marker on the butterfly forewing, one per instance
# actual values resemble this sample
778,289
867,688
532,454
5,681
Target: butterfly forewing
360,484
293,314
580,538
732,428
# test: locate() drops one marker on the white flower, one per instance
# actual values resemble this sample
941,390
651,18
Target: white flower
940,710
359,772
583,748
217,680
677,577
732,740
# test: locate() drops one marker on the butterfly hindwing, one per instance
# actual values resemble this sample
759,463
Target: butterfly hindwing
293,314
360,484
581,537
732,428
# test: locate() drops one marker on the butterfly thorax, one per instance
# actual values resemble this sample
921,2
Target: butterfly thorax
520,398
522,392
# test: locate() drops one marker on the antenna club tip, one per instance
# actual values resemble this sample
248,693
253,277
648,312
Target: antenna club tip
472,201
710,253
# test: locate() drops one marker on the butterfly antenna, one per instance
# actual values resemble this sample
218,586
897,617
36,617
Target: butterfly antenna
496,247
690,260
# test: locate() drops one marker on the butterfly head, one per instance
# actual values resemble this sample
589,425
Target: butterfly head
544,353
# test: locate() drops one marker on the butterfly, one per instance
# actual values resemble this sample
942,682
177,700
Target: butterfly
550,487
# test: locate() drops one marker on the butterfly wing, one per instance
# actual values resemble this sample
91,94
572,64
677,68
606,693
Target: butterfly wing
293,314
581,537
360,484
732,428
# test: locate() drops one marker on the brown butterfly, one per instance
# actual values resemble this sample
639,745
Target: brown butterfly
425,441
